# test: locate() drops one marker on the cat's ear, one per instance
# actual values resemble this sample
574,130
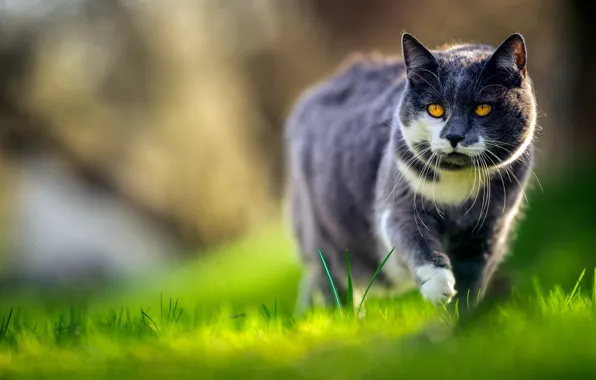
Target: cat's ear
420,62
510,56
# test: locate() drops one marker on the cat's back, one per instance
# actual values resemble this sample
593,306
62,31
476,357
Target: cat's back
334,139
347,113
351,91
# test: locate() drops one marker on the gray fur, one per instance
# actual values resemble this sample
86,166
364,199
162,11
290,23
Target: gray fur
342,142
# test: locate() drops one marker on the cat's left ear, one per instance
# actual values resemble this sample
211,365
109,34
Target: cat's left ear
421,64
510,56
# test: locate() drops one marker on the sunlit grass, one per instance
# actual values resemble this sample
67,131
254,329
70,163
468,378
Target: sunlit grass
230,315
259,337
526,330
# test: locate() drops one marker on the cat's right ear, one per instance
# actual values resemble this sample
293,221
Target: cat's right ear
508,62
420,62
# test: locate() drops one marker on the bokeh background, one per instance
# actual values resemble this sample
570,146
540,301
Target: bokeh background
138,134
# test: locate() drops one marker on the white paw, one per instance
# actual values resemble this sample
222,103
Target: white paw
436,284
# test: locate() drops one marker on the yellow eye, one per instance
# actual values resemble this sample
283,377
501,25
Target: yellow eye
482,109
435,110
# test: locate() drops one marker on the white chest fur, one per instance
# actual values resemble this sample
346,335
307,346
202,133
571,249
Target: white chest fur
452,187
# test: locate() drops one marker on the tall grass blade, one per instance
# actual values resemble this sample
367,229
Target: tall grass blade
373,279
575,292
145,315
161,308
594,287
350,285
539,293
266,311
5,324
331,283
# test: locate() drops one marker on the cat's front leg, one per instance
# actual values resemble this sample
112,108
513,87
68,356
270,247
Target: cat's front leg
475,257
417,247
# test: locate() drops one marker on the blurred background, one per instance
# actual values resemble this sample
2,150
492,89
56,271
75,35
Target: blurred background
134,134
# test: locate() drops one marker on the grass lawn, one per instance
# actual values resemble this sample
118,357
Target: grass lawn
229,316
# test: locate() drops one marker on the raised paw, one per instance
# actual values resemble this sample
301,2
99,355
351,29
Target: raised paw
436,284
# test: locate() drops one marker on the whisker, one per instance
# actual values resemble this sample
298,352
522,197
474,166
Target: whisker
434,75
488,190
417,214
398,179
520,159
499,143
439,158
479,77
502,180
486,196
510,173
425,171
520,186
489,86
481,168
474,184
421,177
477,191
427,82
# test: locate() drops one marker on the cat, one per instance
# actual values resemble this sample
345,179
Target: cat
429,155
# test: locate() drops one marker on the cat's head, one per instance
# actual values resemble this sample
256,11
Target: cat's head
468,104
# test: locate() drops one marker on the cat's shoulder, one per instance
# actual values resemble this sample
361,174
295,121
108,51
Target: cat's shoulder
373,66
356,80
369,61
357,76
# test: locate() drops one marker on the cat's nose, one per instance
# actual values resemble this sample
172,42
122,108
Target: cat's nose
454,138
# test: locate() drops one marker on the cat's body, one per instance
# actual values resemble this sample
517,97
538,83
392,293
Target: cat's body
363,177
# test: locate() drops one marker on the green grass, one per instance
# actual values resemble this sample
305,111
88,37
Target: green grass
229,315
350,293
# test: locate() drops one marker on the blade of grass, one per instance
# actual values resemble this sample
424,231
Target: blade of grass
4,326
446,315
144,315
539,292
331,283
373,279
574,293
594,287
350,285
266,311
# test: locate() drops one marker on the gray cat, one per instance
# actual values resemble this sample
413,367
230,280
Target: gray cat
429,155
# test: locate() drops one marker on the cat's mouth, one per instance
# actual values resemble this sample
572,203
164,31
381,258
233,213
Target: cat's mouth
446,161
453,161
